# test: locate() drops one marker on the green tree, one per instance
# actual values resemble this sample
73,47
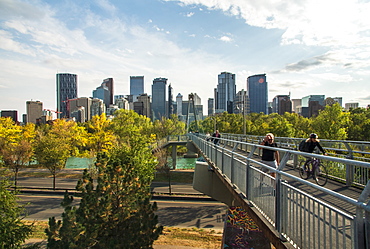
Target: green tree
13,232
279,126
259,125
359,124
56,142
208,124
115,214
168,126
301,126
131,128
331,123
51,152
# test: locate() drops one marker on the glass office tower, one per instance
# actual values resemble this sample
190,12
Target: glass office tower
136,85
159,98
66,89
226,91
257,93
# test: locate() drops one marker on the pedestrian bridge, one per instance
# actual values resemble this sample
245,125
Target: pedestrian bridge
291,212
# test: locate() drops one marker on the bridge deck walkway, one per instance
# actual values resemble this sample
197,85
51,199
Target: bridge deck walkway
339,187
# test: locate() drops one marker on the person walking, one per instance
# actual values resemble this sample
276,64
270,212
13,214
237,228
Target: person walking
270,157
216,137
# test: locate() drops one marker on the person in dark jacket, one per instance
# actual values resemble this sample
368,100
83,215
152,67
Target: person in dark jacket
313,142
216,137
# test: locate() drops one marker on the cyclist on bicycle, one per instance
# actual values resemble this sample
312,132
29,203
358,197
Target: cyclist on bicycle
318,170
311,143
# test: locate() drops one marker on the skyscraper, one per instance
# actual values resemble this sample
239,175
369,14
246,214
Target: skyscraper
109,83
142,105
281,104
307,99
136,85
170,102
257,93
225,92
75,104
97,107
313,104
179,104
13,114
211,107
241,103
34,111
102,92
66,89
159,98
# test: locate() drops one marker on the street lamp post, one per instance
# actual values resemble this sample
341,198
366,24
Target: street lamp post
243,112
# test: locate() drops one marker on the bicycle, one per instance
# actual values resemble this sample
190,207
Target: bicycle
315,168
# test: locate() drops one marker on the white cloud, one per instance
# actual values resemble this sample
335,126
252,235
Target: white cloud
11,8
8,43
190,14
311,22
334,77
226,39
106,5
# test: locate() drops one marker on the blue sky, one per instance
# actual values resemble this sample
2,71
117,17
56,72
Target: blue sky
305,47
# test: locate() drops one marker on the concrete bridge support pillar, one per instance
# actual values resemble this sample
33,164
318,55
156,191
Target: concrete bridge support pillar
206,181
174,156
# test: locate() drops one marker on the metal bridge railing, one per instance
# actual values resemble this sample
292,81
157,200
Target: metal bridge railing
171,138
305,221
350,174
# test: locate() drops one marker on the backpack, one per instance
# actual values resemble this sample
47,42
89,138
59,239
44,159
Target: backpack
303,146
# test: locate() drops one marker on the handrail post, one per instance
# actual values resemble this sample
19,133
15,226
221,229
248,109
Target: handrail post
279,198
349,168
249,178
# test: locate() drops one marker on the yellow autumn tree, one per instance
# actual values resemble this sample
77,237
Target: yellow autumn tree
16,144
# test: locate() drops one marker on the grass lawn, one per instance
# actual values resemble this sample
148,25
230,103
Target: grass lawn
192,237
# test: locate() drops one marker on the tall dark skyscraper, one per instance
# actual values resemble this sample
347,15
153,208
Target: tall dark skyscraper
226,91
13,114
159,98
109,83
257,93
170,101
136,85
281,104
66,89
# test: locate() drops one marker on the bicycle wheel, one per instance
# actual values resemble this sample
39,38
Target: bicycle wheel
304,171
321,175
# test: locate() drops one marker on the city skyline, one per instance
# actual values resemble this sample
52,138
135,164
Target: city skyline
303,49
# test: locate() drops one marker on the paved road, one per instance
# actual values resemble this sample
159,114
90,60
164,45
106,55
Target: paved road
179,213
